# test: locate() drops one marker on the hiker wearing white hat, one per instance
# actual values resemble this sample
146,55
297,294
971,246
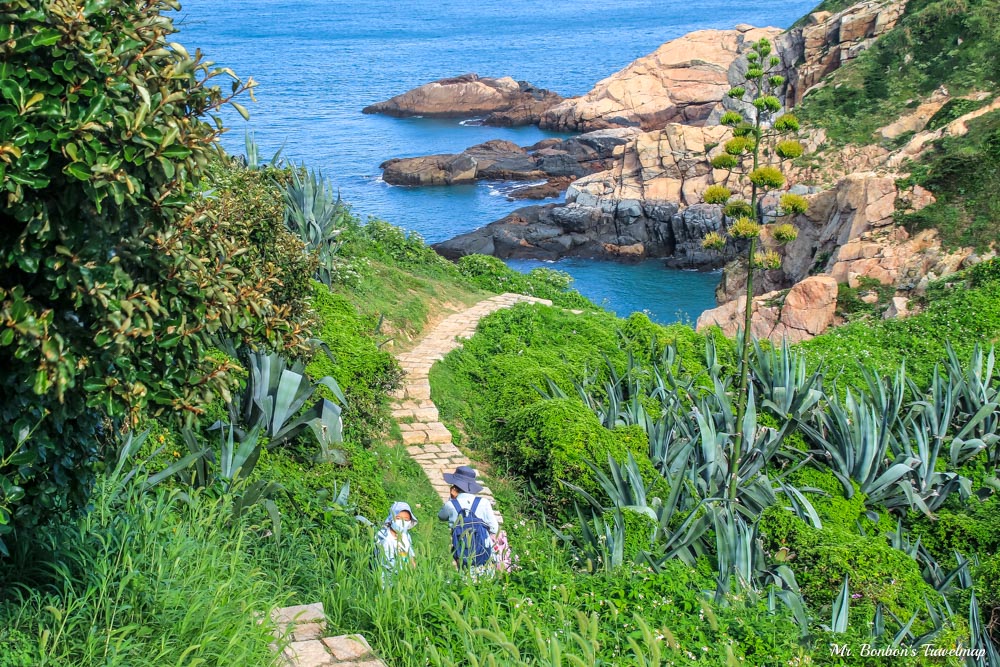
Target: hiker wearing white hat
393,544
471,518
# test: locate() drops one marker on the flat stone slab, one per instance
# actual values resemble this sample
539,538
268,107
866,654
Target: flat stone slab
303,613
348,647
311,653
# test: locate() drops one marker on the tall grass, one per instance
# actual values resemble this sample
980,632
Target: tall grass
154,579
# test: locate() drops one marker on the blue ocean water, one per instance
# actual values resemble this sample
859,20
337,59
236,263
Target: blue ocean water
319,62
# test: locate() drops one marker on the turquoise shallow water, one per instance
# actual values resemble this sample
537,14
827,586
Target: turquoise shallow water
319,63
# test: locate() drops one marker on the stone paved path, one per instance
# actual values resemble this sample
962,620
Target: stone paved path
308,648
425,437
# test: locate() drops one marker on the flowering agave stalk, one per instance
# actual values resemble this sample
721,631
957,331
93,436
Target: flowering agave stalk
759,143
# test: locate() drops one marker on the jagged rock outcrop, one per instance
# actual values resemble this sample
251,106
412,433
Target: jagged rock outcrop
682,81
629,232
503,101
828,41
921,141
668,165
807,310
554,160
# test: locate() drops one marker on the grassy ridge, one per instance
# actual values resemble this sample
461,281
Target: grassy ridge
950,43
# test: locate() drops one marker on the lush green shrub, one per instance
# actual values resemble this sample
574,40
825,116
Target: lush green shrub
18,649
549,441
114,275
821,559
311,487
364,372
834,510
515,350
972,528
639,529
985,272
394,245
248,204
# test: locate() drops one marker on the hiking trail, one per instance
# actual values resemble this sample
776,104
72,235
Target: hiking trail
426,439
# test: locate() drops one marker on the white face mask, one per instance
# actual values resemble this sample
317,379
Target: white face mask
400,525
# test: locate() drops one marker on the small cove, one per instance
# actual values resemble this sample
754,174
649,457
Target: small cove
319,63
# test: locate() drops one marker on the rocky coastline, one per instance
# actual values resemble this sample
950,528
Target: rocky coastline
635,179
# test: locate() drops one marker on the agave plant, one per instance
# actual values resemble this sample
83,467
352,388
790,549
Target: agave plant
783,383
274,400
855,439
977,399
253,158
931,487
600,545
316,216
981,640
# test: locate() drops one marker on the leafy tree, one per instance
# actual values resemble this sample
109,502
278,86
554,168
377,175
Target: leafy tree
115,271
759,144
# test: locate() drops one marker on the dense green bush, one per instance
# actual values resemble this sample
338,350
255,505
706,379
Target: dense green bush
821,559
310,487
984,272
973,528
514,351
549,442
833,508
364,372
249,208
114,274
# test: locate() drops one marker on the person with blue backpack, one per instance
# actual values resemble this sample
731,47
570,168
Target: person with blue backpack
472,521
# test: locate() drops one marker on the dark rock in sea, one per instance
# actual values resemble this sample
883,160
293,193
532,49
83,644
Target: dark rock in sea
637,231
556,161
551,188
504,102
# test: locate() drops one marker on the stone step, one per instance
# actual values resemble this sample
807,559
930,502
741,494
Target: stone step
306,623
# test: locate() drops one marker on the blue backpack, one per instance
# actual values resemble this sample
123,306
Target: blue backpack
469,536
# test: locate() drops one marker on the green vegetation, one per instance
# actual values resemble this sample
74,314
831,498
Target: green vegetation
955,43
855,510
214,402
955,310
117,276
490,273
966,209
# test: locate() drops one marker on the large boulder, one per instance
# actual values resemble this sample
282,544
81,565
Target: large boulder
504,101
681,81
430,170
632,231
807,310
